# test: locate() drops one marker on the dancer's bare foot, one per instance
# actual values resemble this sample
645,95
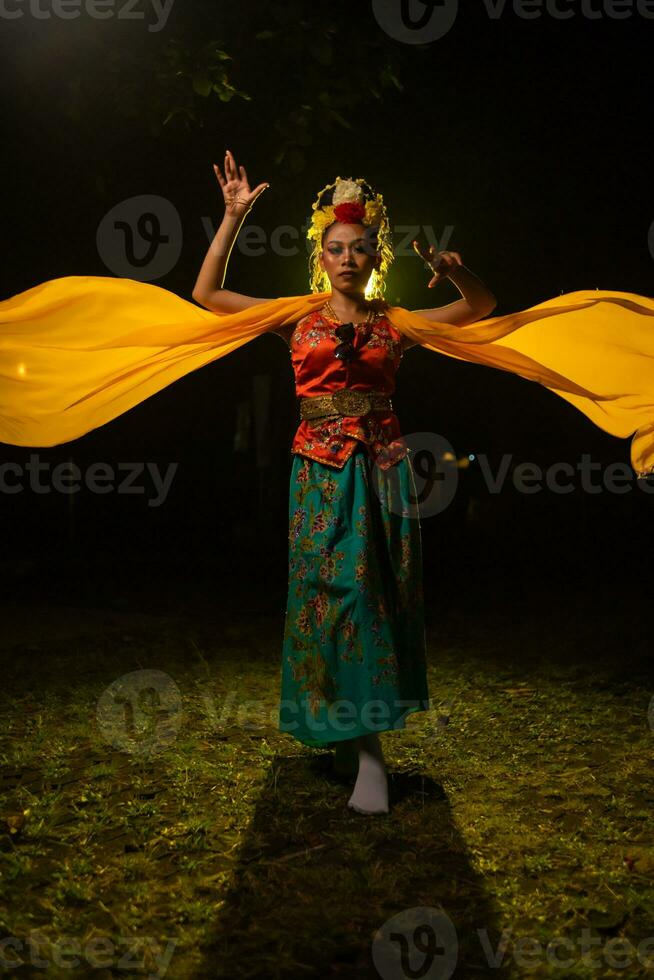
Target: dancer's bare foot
371,788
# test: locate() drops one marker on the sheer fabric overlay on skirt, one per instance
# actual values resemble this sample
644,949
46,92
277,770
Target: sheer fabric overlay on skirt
353,654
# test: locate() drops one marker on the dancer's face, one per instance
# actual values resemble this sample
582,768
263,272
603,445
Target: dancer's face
349,249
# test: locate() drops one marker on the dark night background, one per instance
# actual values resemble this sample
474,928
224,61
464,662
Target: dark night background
522,800
529,137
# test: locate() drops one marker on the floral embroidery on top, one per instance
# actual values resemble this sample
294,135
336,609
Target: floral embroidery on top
312,329
333,439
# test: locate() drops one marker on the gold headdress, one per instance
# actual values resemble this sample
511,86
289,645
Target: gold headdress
352,202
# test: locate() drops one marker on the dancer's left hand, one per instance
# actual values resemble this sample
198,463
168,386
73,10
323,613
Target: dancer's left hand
442,264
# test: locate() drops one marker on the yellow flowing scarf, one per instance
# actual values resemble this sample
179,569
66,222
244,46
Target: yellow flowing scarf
79,351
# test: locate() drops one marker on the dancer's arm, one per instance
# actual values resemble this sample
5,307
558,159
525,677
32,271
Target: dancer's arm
477,301
208,290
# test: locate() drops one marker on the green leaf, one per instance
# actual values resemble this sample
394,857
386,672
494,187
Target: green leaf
340,119
387,79
170,115
201,84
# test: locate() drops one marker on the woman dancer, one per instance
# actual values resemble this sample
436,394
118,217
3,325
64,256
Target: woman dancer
354,642
78,351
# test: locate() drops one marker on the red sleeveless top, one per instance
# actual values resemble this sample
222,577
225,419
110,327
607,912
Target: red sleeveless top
378,347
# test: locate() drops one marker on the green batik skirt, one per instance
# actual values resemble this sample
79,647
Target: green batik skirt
353,655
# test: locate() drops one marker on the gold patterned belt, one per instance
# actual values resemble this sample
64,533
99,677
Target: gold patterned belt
345,401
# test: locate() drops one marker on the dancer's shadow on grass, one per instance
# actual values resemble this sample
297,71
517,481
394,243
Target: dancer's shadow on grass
316,881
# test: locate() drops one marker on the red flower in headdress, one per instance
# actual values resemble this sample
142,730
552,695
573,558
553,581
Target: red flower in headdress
350,213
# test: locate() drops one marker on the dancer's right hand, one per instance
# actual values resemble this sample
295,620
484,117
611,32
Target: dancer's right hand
236,187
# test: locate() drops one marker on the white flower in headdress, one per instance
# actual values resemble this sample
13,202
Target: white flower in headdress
347,192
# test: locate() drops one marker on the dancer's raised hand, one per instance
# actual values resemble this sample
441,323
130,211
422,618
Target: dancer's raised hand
441,264
236,187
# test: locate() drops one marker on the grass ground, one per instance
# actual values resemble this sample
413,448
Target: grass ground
181,835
